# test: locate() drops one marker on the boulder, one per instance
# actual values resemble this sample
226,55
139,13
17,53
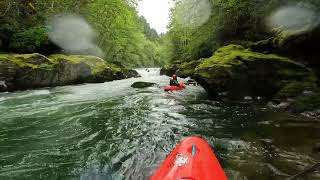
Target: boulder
143,84
237,72
301,97
187,69
28,71
306,104
301,46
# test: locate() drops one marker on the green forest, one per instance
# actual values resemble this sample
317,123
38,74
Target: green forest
123,35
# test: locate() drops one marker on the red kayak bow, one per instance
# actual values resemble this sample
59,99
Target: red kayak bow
175,88
192,159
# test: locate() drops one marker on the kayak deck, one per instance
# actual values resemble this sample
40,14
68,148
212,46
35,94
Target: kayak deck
192,159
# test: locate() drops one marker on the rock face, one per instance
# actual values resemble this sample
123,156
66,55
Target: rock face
19,72
299,46
143,84
238,72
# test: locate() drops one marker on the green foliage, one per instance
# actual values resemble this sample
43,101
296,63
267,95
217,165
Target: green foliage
230,21
29,40
125,37
150,33
22,23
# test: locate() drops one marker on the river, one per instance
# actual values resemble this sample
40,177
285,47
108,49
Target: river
112,131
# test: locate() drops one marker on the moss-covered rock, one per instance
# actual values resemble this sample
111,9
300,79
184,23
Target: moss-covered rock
295,88
301,97
187,69
301,46
25,71
306,102
237,72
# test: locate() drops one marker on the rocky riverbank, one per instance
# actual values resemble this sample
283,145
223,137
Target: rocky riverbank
235,72
28,71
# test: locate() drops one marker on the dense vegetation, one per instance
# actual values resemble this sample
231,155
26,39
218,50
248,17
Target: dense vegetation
230,21
123,36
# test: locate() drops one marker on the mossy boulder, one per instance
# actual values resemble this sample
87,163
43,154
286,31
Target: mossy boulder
187,69
302,47
25,71
143,84
301,97
238,72
306,102
295,88
101,70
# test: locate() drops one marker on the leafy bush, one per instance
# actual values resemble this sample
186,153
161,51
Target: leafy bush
29,40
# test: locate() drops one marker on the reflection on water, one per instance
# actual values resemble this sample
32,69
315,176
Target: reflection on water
112,131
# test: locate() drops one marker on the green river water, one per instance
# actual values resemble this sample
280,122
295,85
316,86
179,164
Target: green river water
112,131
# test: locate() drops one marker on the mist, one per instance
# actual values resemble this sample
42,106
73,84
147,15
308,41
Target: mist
74,35
193,13
293,19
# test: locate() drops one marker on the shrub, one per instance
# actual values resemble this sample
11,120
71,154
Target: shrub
29,40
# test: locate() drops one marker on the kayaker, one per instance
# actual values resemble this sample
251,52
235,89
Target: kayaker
174,81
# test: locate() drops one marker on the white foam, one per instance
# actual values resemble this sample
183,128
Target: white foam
148,72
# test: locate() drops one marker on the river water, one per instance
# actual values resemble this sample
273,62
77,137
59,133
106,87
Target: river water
112,131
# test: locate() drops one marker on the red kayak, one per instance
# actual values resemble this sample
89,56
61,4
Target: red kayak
192,159
175,88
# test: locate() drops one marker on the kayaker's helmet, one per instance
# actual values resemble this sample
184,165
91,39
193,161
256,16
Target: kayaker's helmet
174,77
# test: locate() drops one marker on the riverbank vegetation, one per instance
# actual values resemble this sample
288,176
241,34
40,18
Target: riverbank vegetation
240,21
122,35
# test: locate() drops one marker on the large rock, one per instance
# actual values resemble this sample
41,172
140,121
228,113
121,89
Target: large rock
301,46
18,72
238,72
187,69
